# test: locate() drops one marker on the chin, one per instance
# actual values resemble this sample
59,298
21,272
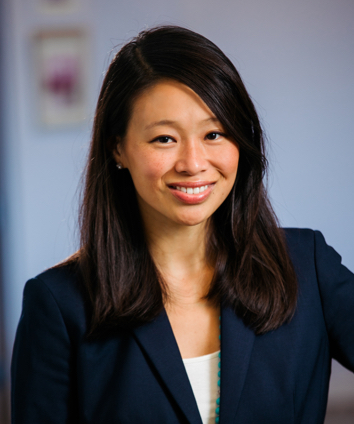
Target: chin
191,221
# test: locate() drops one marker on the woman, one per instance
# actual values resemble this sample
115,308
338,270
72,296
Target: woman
182,268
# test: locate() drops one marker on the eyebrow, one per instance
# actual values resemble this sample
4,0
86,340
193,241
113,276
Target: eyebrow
169,122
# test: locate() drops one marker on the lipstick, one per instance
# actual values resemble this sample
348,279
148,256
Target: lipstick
191,192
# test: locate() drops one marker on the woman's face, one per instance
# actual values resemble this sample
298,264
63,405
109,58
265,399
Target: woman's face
182,163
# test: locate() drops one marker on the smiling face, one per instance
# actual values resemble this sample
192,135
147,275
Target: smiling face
181,162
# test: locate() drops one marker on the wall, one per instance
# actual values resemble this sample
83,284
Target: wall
296,59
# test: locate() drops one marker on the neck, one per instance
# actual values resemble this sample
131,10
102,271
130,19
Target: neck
179,253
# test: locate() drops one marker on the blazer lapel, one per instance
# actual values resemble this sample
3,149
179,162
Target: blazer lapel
156,339
236,347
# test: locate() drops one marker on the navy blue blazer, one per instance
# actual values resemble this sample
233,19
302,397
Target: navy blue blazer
138,376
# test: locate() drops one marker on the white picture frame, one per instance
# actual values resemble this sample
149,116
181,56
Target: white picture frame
58,6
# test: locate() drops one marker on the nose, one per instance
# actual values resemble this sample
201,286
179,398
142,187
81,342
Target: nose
192,157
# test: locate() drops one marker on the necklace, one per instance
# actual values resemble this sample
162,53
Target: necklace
217,409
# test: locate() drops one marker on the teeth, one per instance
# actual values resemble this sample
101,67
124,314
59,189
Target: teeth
191,190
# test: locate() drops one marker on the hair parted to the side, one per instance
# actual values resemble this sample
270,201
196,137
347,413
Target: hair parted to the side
253,272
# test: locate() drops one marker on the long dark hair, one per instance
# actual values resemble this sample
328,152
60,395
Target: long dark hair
253,272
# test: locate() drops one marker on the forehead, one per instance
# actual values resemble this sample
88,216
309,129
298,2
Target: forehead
167,102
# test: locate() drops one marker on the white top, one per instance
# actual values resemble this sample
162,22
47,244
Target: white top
203,376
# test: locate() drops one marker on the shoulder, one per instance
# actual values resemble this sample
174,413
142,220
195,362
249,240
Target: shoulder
60,289
304,243
300,237
59,280
315,260
312,257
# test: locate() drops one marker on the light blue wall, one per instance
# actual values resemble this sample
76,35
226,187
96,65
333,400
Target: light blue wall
296,59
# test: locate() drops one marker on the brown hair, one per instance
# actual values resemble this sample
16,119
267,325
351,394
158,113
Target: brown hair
253,271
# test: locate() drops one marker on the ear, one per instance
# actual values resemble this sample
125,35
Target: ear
116,152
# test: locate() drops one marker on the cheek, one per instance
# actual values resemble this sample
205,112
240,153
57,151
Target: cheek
147,168
232,166
230,161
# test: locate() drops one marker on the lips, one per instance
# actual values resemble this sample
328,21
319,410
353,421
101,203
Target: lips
192,192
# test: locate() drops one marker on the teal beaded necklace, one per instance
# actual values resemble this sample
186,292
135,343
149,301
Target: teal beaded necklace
217,409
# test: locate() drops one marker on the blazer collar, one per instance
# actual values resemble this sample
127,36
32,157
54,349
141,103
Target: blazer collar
156,339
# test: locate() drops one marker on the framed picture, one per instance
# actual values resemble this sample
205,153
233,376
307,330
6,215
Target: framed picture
61,72
58,6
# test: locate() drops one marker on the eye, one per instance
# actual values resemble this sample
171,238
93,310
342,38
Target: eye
164,139
214,136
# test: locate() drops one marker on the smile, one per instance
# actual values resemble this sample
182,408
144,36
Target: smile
192,193
191,190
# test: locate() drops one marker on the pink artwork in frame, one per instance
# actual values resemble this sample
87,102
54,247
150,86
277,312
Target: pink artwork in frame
61,70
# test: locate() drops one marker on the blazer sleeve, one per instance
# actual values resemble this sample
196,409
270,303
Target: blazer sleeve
42,361
336,284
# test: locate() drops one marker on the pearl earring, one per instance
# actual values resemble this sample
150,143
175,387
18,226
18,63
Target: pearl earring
119,166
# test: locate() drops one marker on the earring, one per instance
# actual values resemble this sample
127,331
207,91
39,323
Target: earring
119,166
